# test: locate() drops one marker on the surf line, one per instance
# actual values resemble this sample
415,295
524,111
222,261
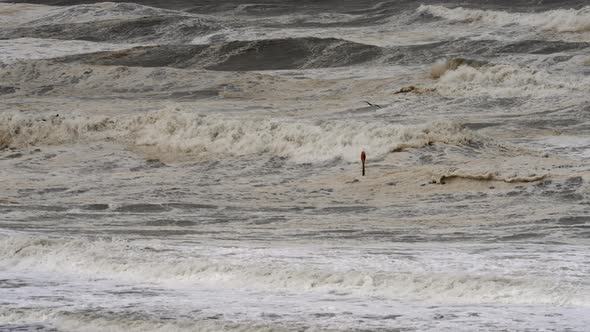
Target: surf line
363,159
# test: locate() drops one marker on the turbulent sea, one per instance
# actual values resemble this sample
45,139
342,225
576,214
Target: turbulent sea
195,165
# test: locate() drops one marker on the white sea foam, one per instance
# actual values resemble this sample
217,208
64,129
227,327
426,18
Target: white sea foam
559,20
38,17
99,12
505,80
35,15
113,322
121,260
14,14
185,132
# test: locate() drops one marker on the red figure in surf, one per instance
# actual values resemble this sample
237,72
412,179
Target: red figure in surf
363,158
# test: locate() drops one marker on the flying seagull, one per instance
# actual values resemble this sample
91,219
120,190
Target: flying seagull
372,104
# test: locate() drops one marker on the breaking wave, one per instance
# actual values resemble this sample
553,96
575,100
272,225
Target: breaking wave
100,12
115,22
183,132
504,80
559,20
442,66
121,260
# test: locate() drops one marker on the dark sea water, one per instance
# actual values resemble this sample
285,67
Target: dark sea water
194,165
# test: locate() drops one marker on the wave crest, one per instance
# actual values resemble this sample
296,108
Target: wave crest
182,132
559,20
504,80
113,23
442,66
124,261
263,54
103,11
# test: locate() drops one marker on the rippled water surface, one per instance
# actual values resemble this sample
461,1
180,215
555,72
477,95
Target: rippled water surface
194,166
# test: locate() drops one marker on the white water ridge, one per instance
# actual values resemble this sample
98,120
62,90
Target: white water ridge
560,20
294,166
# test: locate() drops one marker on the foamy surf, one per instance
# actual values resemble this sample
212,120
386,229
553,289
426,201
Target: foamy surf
196,166
107,22
38,15
212,136
254,269
560,20
505,80
115,322
20,49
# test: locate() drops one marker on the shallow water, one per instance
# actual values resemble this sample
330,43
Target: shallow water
195,167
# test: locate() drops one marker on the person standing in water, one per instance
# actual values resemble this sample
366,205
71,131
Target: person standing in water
363,158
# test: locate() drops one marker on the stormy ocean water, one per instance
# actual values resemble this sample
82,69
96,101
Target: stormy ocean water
195,165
